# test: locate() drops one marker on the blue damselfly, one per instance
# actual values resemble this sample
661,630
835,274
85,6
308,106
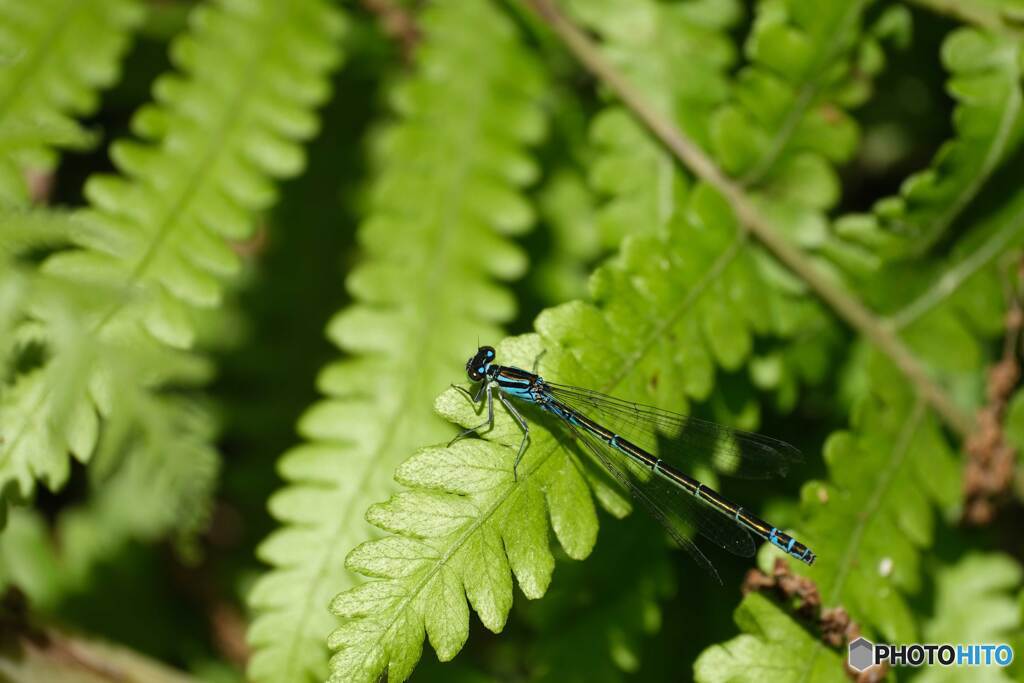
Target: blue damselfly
625,436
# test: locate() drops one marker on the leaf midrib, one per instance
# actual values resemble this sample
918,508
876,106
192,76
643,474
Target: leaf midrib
993,157
809,89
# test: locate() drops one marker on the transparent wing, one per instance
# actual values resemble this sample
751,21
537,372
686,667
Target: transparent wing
682,440
679,512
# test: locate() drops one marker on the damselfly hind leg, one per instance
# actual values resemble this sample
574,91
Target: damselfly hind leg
485,388
526,433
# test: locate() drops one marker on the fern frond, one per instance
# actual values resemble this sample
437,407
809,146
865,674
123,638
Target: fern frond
985,79
61,53
975,602
792,110
950,308
115,317
136,493
772,647
787,124
467,523
874,518
871,519
447,195
677,54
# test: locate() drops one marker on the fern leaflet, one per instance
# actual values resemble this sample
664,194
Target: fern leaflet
772,647
426,289
62,52
985,79
115,314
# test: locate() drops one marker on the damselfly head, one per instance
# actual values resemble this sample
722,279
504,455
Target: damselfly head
476,367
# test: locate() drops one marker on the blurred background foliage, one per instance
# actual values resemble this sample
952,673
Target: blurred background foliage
245,245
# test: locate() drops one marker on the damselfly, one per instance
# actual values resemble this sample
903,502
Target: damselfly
625,436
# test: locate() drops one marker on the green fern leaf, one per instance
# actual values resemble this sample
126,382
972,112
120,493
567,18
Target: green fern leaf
645,188
887,474
950,308
773,647
974,603
985,79
115,317
677,54
874,517
62,53
786,123
425,289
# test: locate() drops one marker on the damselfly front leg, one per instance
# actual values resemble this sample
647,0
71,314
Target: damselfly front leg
486,392
485,388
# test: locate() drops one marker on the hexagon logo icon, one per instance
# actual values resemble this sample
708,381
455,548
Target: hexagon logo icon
861,654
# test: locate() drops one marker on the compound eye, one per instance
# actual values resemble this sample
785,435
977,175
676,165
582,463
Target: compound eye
475,374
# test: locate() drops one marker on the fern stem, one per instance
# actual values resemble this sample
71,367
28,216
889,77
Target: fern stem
846,306
972,13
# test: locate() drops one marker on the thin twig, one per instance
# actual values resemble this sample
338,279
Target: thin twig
847,307
977,13
833,624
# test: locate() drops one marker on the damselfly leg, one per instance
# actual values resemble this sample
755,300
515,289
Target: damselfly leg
485,388
485,392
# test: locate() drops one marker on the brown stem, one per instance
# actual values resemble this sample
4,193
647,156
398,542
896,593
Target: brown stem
397,24
989,472
847,307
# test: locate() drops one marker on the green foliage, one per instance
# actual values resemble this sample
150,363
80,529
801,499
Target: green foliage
685,78
873,516
445,200
772,646
985,74
58,55
786,125
641,341
974,602
746,136
467,523
114,312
